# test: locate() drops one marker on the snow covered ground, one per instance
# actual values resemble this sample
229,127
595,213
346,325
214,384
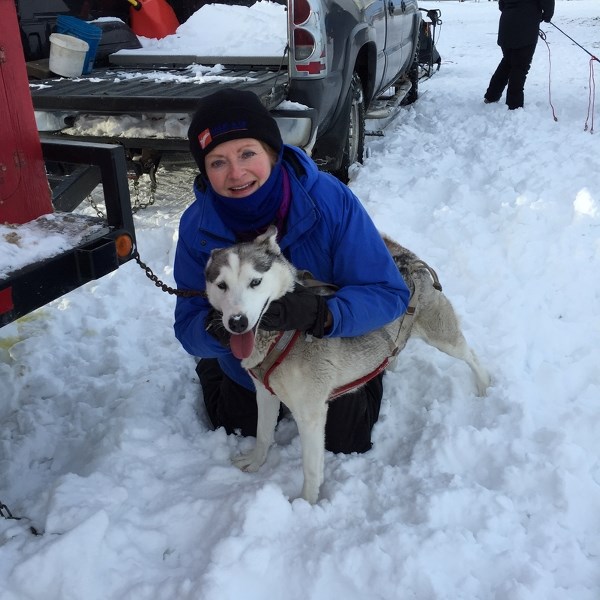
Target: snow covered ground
460,497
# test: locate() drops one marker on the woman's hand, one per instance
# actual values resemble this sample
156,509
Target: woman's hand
300,310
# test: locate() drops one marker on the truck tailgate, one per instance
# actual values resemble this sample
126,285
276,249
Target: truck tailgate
173,91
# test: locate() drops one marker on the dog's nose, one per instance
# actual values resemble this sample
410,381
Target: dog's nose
238,323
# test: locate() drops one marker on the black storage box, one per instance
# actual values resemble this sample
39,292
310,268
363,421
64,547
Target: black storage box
116,35
35,35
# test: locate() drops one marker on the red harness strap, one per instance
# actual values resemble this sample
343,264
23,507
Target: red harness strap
353,385
339,391
278,360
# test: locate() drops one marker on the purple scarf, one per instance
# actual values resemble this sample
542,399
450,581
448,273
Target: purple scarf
250,216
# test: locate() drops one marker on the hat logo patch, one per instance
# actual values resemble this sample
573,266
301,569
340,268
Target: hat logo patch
204,138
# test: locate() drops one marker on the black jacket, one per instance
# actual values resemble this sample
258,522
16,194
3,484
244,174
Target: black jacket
520,21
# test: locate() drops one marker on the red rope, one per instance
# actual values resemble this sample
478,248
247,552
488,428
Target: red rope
592,83
543,36
591,97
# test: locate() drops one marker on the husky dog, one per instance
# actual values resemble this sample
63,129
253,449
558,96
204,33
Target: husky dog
241,282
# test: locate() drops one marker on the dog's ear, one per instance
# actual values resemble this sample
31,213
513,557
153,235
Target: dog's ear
269,239
211,270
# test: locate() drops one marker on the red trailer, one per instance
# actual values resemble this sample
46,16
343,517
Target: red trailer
27,193
24,192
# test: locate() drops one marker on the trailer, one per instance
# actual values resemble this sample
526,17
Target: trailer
40,183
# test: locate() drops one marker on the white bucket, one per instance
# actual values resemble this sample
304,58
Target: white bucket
67,54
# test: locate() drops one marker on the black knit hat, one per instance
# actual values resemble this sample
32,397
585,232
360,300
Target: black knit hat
230,115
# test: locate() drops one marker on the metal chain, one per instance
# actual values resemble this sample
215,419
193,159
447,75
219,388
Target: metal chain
162,285
137,204
5,513
93,204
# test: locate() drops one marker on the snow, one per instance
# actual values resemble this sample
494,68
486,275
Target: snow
221,30
460,497
42,238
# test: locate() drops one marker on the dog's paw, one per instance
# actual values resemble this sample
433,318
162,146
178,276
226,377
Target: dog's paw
250,463
310,493
483,382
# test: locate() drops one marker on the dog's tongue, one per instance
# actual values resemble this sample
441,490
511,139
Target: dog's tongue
242,344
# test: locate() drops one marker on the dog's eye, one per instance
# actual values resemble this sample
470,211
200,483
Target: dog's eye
255,282
222,285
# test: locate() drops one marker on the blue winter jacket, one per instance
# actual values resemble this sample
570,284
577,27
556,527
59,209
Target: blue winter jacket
327,232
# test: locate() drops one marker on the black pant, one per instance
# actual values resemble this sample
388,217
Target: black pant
511,71
350,417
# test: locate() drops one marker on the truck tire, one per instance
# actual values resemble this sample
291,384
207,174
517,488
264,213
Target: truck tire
413,76
355,139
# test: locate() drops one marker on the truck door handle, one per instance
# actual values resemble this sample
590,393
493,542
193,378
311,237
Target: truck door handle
391,7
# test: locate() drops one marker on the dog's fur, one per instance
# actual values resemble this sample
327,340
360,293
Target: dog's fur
241,282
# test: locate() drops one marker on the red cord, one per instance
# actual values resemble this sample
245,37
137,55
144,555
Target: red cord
543,36
591,97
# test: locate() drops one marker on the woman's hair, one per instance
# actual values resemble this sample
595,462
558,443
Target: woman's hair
273,155
231,114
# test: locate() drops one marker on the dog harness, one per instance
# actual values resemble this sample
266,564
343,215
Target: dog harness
285,340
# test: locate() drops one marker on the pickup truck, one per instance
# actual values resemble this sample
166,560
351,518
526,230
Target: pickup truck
346,60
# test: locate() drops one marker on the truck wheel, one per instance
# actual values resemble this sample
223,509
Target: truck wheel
355,140
413,76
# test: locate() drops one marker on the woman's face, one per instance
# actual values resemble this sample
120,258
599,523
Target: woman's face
238,168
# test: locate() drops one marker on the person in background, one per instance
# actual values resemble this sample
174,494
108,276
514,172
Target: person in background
249,180
517,38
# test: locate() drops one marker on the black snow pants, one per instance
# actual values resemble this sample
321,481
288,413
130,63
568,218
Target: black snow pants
511,71
350,417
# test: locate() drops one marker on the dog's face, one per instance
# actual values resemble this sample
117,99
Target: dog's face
241,282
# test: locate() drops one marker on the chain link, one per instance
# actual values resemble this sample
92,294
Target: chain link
162,285
137,203
6,514
93,204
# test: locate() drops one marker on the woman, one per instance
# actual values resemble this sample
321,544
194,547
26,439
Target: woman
248,180
517,38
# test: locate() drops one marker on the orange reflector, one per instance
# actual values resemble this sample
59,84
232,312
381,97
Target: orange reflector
124,245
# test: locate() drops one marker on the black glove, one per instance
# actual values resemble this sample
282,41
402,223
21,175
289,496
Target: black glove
546,17
300,310
214,326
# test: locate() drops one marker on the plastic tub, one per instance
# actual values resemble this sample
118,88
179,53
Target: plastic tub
67,55
84,31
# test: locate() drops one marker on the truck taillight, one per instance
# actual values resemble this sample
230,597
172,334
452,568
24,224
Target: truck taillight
304,44
308,39
301,11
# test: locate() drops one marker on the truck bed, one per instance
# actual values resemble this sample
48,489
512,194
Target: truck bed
145,91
